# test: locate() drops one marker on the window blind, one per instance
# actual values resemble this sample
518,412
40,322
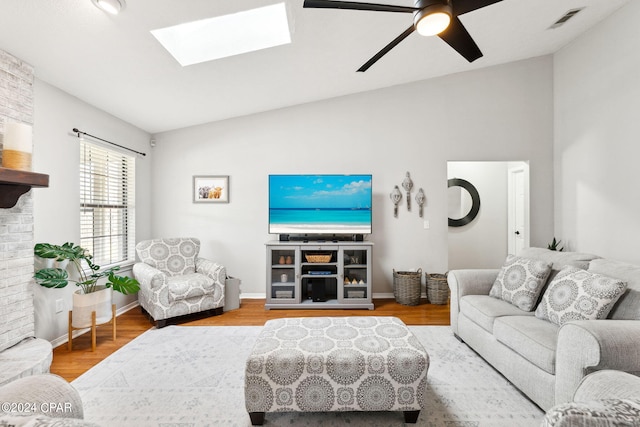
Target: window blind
107,204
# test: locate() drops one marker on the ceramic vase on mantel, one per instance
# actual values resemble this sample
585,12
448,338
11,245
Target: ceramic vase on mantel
84,304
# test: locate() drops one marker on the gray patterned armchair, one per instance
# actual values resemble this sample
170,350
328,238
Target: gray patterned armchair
175,282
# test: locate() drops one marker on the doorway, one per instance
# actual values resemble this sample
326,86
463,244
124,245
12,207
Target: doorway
502,223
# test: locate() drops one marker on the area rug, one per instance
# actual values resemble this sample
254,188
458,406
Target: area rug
192,376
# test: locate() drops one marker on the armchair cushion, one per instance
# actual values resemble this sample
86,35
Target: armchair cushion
596,413
189,286
174,257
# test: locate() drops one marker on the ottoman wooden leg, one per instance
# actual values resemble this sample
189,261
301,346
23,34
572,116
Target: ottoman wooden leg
257,418
411,416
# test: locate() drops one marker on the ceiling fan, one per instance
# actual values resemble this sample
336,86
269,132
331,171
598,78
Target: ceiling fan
430,18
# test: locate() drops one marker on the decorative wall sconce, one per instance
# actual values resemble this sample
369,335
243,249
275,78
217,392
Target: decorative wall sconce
420,199
407,184
396,196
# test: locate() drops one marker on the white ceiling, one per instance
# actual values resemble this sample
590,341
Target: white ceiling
115,64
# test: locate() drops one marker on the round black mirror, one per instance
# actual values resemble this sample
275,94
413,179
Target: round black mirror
464,202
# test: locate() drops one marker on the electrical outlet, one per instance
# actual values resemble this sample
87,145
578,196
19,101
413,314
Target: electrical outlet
426,224
59,305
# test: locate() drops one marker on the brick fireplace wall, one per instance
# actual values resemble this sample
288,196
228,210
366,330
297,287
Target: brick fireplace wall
16,224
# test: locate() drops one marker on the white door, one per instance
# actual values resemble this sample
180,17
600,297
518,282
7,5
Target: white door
518,218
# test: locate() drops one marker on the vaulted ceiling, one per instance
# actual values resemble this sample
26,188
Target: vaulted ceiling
115,64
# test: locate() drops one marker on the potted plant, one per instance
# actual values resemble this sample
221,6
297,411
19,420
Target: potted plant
91,296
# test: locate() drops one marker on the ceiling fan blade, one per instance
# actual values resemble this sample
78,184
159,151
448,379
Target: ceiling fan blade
458,38
386,49
327,4
464,6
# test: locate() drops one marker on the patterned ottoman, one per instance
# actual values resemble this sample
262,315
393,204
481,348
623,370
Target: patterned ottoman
318,364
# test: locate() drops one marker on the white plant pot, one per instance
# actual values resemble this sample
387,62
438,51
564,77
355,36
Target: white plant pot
84,304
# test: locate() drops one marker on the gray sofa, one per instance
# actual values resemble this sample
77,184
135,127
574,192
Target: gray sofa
545,361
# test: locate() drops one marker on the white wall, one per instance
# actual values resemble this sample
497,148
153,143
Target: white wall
56,209
597,102
483,242
497,113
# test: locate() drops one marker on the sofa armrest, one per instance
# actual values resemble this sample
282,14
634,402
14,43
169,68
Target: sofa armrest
592,345
47,394
468,282
212,269
149,277
608,384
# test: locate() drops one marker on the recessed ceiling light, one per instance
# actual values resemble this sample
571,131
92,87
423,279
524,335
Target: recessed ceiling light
227,35
110,6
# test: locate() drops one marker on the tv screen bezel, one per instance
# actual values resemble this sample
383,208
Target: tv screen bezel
321,233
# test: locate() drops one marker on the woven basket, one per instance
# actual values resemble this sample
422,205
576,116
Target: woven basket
406,287
318,257
437,288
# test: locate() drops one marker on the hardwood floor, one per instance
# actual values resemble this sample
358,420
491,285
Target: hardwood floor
72,364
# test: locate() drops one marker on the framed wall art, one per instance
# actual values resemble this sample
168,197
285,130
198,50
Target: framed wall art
211,189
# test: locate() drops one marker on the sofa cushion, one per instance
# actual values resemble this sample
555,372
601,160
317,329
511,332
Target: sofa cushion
576,294
520,281
483,310
532,338
189,286
628,305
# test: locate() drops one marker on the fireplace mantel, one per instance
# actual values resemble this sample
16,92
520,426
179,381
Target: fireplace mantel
14,183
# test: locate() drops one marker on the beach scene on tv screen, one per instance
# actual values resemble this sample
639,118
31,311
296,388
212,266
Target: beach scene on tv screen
336,204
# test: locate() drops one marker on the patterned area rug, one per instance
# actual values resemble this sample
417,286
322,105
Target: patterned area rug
193,376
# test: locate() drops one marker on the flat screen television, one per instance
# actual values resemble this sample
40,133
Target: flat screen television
320,204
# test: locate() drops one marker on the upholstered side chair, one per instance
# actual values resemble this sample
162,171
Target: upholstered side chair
175,282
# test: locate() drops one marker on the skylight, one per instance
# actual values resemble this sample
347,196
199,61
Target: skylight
227,35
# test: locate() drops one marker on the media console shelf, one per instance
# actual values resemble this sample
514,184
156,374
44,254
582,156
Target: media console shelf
319,275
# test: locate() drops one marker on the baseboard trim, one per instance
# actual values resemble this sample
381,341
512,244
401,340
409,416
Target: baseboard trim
65,338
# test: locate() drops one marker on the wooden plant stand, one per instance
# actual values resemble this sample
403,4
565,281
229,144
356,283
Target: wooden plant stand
93,328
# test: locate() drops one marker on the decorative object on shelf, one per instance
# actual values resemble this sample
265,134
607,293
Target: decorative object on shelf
284,278
553,246
288,260
466,216
407,184
317,258
346,280
281,259
395,196
420,199
17,146
211,189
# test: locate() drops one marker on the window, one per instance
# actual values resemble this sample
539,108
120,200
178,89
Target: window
107,204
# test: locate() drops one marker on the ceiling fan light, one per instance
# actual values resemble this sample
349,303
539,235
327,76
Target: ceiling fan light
433,19
110,6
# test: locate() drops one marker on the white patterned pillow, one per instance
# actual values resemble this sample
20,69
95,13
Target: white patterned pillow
520,281
576,294
600,413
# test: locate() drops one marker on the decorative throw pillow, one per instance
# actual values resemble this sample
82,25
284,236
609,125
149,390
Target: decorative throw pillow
520,281
576,294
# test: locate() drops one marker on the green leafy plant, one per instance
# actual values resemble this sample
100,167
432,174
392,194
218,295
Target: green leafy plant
554,245
87,279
